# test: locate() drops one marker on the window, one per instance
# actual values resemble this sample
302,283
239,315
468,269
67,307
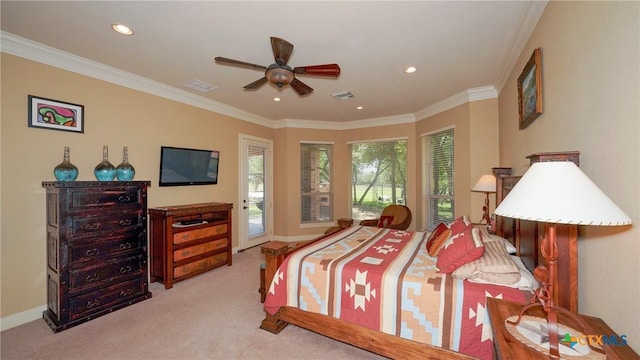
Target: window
437,154
378,177
315,183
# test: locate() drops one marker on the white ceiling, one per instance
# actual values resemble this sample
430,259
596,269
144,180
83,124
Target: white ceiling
457,46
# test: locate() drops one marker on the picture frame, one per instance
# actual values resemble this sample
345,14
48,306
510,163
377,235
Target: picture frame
530,90
55,115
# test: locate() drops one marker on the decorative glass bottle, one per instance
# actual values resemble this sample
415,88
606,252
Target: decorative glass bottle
65,171
125,171
105,171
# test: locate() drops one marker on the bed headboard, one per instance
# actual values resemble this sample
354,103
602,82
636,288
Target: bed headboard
527,235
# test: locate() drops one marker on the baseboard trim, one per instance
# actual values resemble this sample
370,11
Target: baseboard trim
11,321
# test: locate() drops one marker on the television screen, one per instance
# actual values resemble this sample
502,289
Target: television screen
182,166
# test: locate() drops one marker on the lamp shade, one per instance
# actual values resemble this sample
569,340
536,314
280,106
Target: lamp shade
486,183
559,192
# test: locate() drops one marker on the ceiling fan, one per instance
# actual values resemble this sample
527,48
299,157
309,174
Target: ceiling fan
280,74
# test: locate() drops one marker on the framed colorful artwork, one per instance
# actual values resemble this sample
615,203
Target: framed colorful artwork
530,90
55,115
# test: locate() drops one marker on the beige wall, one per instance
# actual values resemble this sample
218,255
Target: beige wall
117,116
591,99
475,151
114,116
591,94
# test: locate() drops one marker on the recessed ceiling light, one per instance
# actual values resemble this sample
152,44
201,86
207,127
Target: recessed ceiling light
410,70
122,29
276,99
359,108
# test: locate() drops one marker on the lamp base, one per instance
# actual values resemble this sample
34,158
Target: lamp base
544,295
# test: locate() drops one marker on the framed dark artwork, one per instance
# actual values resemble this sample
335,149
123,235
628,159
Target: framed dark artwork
55,115
530,90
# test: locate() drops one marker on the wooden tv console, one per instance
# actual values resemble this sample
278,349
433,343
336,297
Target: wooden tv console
187,240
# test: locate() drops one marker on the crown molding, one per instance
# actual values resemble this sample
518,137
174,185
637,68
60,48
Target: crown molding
34,51
528,22
31,50
347,125
463,97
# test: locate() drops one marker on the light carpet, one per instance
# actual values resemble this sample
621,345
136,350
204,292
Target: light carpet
215,315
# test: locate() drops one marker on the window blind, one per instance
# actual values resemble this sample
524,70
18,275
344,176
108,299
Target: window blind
439,204
316,192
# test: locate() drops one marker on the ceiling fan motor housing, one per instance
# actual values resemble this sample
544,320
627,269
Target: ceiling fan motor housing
279,75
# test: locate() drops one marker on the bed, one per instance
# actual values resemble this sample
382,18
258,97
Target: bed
454,326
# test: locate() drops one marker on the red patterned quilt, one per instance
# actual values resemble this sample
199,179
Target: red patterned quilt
385,280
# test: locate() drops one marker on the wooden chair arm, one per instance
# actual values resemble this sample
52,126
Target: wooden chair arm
369,222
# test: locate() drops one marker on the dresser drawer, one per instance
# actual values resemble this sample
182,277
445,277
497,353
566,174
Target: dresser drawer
184,236
106,297
85,199
199,249
109,223
110,271
82,252
203,264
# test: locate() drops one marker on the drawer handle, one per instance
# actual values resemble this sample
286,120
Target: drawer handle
93,303
91,227
125,293
92,278
125,222
125,246
125,269
92,252
124,198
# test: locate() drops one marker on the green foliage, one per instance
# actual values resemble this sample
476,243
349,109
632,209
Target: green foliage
379,163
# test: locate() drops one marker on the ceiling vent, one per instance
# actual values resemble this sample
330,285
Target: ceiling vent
199,85
345,95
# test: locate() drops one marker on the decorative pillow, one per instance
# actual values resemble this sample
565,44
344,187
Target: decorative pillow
437,238
486,237
460,224
460,249
527,280
385,220
495,266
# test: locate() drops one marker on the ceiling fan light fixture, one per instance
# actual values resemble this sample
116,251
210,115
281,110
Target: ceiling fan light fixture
279,76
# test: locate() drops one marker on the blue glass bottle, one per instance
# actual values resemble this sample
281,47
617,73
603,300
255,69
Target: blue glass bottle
105,171
65,171
125,171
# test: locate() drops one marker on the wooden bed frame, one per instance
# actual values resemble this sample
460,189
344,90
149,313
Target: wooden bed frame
523,234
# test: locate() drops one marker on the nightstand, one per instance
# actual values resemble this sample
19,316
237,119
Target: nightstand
508,347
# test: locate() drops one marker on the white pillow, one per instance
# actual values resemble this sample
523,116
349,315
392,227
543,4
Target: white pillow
511,249
527,280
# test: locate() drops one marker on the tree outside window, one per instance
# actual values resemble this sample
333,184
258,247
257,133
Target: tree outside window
378,177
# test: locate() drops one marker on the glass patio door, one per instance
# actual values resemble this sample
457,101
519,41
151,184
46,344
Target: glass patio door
255,191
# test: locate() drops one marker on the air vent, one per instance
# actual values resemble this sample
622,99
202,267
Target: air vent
345,95
199,85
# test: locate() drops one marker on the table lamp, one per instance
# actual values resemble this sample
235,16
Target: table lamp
486,184
557,192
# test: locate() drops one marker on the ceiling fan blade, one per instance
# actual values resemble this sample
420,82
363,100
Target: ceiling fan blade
319,70
281,50
300,87
256,84
241,63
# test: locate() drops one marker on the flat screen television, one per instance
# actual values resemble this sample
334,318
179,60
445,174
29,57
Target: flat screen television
182,166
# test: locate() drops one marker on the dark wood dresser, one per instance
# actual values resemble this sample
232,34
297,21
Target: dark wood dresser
96,249
187,240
